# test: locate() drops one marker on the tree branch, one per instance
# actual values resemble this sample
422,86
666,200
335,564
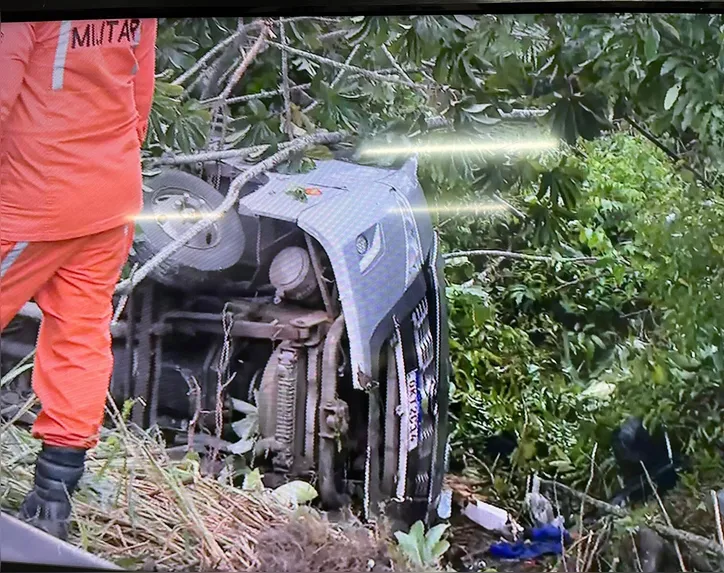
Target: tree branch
259,95
203,61
395,64
285,83
665,530
210,155
667,150
246,62
273,93
333,35
361,71
522,256
226,41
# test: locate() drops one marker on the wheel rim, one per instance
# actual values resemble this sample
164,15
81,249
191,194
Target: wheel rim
176,211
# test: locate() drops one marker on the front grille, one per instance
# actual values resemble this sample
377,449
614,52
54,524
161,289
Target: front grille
425,350
427,389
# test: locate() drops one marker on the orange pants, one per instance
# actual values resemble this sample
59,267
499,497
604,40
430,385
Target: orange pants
72,282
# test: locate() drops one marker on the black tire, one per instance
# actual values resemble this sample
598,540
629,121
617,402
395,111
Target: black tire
190,267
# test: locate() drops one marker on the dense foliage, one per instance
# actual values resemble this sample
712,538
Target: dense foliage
561,353
558,352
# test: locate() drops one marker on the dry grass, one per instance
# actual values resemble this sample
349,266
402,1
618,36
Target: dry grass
139,508
142,510
308,543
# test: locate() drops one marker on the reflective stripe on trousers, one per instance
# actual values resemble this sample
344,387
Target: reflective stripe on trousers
11,257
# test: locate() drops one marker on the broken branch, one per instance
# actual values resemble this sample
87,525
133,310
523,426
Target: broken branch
285,83
246,62
668,151
211,155
203,61
395,64
522,256
665,530
717,517
361,71
665,514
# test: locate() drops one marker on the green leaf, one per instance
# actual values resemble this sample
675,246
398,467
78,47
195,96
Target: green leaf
242,447
476,108
669,65
435,534
243,407
466,21
651,46
252,481
438,550
671,95
410,548
668,28
417,531
295,493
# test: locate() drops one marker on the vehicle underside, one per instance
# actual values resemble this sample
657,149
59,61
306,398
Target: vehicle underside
305,331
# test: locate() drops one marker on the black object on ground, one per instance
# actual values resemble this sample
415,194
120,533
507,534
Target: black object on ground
633,446
502,444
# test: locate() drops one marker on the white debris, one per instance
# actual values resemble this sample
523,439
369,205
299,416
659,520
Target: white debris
540,508
444,506
492,518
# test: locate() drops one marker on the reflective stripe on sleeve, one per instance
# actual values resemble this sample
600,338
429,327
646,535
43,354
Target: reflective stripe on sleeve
61,53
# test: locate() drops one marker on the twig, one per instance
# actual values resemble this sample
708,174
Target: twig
667,150
258,95
245,63
195,392
201,63
232,196
19,368
24,409
333,35
665,514
636,552
285,83
123,301
372,75
665,530
517,212
597,544
522,256
717,517
395,64
273,93
588,487
213,155
221,384
559,512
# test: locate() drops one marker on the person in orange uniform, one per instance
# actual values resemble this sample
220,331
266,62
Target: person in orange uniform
75,98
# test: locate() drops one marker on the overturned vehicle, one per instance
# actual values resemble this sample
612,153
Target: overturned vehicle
311,317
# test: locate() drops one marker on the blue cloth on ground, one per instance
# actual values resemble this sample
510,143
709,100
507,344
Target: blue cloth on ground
544,540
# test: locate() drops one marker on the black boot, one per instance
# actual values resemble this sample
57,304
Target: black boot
57,473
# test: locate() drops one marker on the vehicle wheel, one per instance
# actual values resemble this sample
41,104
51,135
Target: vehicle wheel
174,202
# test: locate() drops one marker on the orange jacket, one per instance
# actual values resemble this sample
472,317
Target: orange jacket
74,103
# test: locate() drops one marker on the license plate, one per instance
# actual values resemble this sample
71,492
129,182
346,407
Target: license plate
414,409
